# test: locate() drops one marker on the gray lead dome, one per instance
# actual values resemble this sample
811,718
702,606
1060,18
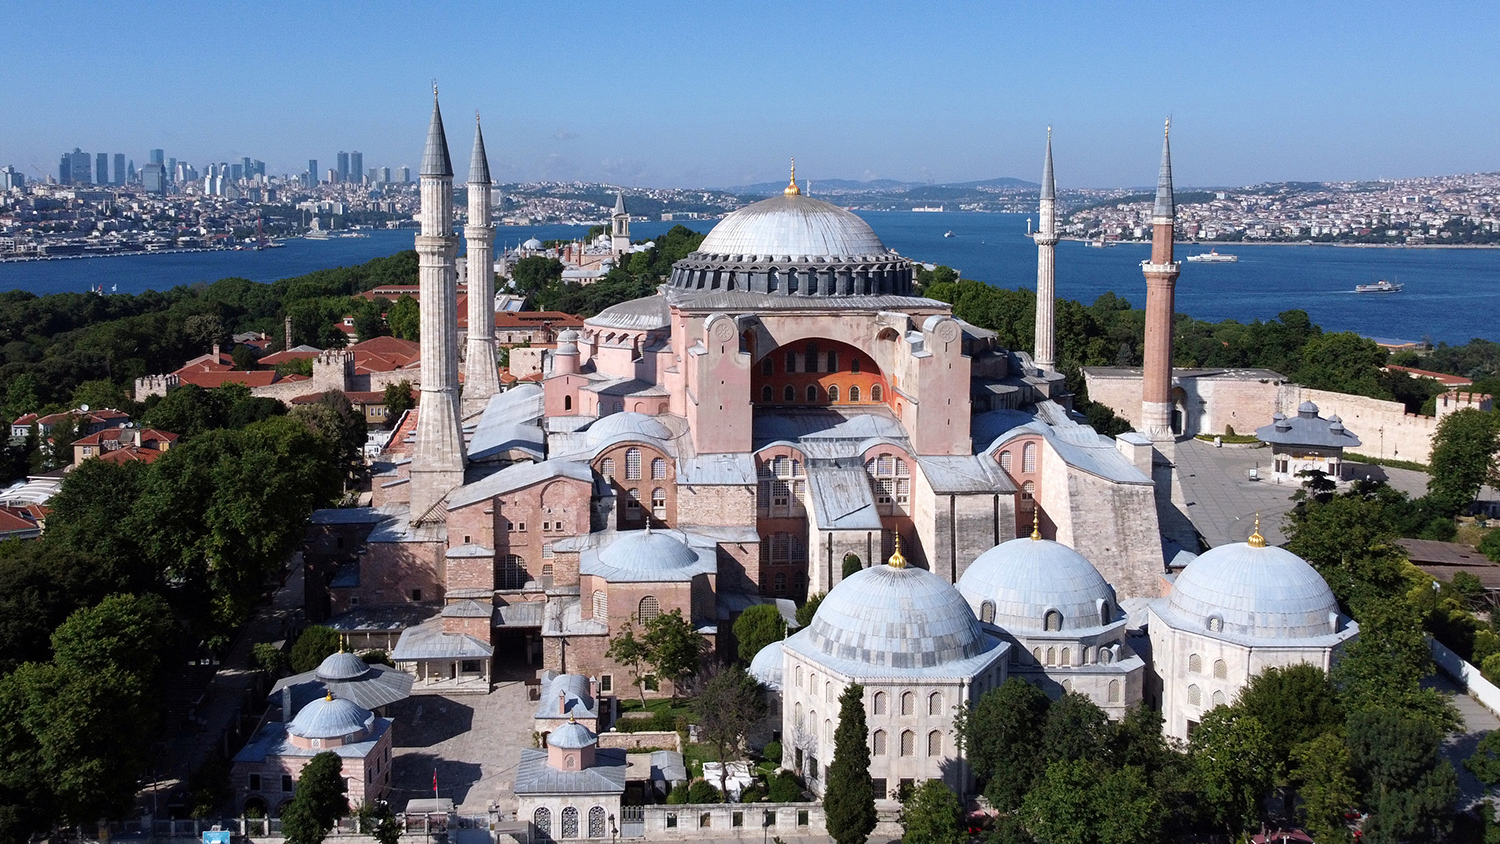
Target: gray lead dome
1026,578
1261,593
896,618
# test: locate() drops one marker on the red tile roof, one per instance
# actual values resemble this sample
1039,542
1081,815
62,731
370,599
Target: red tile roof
1441,377
10,522
209,380
132,454
284,356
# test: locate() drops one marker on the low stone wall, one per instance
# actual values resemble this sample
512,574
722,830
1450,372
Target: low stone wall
1467,675
669,740
735,820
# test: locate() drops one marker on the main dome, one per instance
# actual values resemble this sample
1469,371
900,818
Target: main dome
791,227
888,617
330,717
1255,592
1024,579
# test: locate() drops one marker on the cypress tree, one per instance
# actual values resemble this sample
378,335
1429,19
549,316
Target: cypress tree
849,796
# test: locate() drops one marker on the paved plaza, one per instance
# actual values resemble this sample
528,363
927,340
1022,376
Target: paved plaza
472,741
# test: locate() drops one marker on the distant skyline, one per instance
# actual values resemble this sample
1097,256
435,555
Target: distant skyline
715,95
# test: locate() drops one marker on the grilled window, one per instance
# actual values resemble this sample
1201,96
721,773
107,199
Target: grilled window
649,609
658,469
632,464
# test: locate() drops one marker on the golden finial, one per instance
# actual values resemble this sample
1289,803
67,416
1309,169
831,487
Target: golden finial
573,718
897,561
1049,133
1036,523
791,188
329,696
1167,132
1256,540
434,88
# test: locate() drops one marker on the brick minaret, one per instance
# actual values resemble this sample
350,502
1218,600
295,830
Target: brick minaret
437,463
1161,281
480,378
1045,354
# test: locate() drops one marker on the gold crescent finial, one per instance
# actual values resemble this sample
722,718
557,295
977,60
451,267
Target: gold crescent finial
1036,523
791,188
1256,540
1049,133
434,88
1167,132
897,561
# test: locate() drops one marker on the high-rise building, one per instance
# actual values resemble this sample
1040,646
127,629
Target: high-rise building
74,168
101,168
130,172
333,175
312,172
343,168
259,167
356,166
247,168
154,178
11,178
405,175
119,168
158,157
171,169
385,175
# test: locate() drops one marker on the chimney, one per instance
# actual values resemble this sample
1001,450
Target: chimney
562,703
216,352
288,331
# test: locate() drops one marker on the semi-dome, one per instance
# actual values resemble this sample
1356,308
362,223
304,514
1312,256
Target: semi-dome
791,227
626,423
895,617
341,666
330,717
1026,579
571,736
766,666
1252,590
647,556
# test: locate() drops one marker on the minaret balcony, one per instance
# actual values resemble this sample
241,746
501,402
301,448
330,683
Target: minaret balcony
1161,269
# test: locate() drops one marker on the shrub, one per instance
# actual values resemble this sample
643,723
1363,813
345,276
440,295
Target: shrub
785,787
679,794
752,794
315,644
771,752
377,657
701,792
270,659
1229,430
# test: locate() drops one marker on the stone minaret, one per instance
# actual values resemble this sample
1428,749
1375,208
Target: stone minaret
1045,355
1161,280
480,378
619,227
437,462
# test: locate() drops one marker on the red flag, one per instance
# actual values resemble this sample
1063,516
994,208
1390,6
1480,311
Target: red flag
434,782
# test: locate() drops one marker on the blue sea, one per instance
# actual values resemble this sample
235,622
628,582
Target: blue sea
1451,295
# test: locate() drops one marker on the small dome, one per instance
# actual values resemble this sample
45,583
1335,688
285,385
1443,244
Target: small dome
1257,592
792,225
342,666
532,243
648,550
766,666
330,717
1026,578
568,335
891,617
628,423
571,736
1307,408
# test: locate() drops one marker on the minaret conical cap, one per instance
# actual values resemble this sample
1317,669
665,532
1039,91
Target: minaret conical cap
479,165
435,161
1165,208
1049,185
619,202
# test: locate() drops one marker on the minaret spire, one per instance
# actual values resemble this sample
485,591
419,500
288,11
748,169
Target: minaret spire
1161,285
481,377
619,227
1044,350
437,465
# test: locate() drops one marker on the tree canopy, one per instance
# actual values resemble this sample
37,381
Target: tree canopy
849,795
756,628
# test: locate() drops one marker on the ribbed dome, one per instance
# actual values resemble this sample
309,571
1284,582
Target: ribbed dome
793,226
1263,593
766,666
895,618
1025,578
342,666
571,736
327,718
648,551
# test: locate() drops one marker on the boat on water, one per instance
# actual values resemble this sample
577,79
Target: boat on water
1381,286
1212,256
948,233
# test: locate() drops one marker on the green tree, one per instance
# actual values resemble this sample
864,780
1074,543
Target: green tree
379,822
809,609
101,393
318,802
270,659
784,787
702,791
933,816
756,628
1320,770
1343,362
1409,788
1075,728
334,418
1484,764
398,400
1463,458
728,707
849,796
673,647
533,274
999,737
1233,766
1267,698
852,564
1080,802
404,318
316,644
60,446
626,649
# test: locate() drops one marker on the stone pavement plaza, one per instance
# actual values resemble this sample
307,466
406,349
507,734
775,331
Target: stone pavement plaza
473,741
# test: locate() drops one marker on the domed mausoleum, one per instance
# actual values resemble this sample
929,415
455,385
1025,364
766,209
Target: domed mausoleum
908,637
265,770
1061,617
1233,612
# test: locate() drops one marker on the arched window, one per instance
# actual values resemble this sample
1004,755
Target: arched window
1195,696
1195,663
833,361
1052,656
569,821
596,822
1221,670
1215,624
1218,698
853,392
1005,460
875,393
567,402
828,730
1104,613
987,612
658,469
935,703
1028,458
812,393
854,365
779,583
789,394
542,820
908,703
632,464
1087,655
1053,621
767,366
607,468
601,604
811,356
1067,656
791,361
828,691
649,609
935,743
1114,691
908,743
765,393
833,393
797,716
877,743
633,503
880,703
1036,655
1067,686
659,503
1028,491
799,676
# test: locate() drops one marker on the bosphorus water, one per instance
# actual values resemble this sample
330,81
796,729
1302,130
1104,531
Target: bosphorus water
1450,295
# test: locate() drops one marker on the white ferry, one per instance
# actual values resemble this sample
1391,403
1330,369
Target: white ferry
1212,256
1381,286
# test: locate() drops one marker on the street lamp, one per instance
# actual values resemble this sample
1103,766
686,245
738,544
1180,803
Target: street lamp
613,830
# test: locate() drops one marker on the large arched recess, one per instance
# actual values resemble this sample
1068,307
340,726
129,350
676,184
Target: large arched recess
818,372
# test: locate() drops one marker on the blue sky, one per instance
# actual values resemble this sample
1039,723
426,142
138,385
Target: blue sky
717,93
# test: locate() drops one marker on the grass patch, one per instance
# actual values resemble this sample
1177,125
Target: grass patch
1229,439
694,754
1394,464
657,706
